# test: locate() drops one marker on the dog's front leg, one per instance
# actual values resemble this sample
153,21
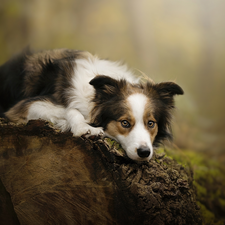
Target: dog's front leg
79,126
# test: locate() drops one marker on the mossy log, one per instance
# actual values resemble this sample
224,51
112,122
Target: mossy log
55,178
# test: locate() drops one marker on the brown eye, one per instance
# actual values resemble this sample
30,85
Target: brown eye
125,124
151,124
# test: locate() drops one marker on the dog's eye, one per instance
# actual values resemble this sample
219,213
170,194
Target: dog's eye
125,124
151,124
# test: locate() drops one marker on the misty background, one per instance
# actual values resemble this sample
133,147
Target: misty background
181,41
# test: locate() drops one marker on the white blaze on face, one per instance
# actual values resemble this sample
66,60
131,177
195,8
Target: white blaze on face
139,135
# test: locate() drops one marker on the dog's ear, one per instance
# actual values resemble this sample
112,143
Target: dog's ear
169,89
105,85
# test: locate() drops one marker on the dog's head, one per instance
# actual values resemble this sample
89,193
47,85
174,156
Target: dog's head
136,115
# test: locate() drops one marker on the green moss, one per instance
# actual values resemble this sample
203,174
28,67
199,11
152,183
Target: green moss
160,150
201,191
114,145
208,217
172,154
209,180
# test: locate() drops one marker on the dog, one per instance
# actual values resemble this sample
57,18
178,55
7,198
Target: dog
77,91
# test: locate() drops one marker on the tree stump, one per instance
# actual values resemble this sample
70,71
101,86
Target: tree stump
55,178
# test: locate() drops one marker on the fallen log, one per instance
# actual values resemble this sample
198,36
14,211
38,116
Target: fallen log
55,178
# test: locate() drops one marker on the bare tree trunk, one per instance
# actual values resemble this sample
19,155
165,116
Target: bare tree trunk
54,178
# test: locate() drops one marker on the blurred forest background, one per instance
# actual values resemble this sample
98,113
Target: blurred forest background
182,41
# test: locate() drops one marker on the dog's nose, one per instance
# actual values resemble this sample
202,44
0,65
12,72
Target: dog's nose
143,151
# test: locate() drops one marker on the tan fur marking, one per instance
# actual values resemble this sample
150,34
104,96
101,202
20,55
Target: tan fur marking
18,113
114,127
148,115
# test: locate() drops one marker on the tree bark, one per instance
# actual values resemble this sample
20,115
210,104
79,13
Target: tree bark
55,178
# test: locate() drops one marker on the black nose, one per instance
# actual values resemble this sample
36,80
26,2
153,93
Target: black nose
143,151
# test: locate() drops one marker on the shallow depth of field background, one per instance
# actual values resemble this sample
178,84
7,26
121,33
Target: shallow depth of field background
182,41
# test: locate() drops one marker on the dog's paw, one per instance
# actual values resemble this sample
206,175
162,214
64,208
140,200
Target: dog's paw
94,131
86,130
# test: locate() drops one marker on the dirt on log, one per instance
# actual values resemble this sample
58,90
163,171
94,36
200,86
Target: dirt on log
55,178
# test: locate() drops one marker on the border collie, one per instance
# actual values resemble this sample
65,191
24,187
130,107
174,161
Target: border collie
89,96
